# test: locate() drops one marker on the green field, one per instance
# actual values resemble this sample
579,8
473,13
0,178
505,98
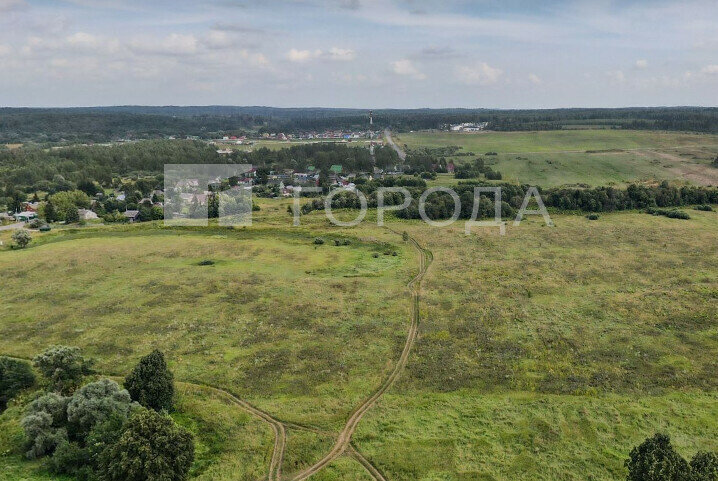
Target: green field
592,157
546,353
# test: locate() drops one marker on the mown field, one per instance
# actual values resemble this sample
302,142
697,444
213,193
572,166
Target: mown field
592,157
545,354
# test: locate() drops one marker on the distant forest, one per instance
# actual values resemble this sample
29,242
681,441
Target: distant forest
100,124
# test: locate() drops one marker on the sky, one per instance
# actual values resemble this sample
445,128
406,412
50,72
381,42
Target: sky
359,53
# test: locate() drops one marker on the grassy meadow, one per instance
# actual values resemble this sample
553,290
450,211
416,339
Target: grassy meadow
592,157
544,354
548,353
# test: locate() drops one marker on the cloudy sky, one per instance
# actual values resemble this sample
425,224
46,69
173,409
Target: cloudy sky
359,53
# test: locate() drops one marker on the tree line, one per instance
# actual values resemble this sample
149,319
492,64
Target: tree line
111,123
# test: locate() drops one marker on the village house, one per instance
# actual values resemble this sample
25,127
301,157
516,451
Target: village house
132,215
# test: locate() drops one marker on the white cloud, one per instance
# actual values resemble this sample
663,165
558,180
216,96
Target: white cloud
478,74
174,44
341,54
406,68
218,40
300,56
334,54
534,79
82,38
642,63
617,76
710,69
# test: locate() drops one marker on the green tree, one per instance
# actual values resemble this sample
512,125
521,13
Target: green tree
95,403
704,466
63,367
72,215
656,460
49,212
151,383
152,448
14,377
21,238
65,201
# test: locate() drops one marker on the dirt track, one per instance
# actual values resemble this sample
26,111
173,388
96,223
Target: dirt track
344,439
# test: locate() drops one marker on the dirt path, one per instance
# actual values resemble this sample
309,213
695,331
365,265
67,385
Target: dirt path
344,439
400,153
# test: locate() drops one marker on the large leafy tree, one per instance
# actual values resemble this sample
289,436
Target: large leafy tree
14,377
151,383
152,448
63,367
95,403
656,460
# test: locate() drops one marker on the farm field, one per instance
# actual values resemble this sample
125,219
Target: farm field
593,157
546,353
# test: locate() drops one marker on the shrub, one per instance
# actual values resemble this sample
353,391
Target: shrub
152,448
69,458
704,466
36,223
21,238
151,383
63,367
656,460
592,216
205,262
405,236
95,403
318,240
44,425
337,242
14,377
705,208
670,213
375,255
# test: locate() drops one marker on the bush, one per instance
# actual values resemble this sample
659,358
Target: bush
21,238
670,213
69,458
63,367
205,262
318,241
14,377
36,223
704,208
151,448
151,383
592,216
44,425
656,460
